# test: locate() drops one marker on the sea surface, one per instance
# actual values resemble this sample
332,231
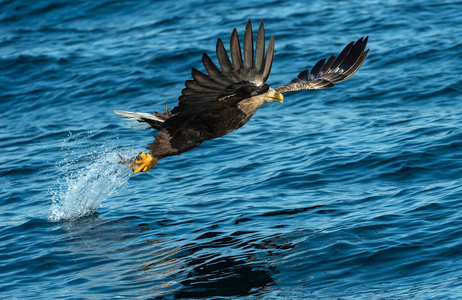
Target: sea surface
353,192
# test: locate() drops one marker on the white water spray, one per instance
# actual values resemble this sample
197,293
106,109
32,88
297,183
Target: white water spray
87,181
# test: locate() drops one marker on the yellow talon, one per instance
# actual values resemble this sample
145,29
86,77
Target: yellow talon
146,162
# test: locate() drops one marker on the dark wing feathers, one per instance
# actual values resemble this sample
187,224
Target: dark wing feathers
317,68
326,73
342,55
214,72
252,70
268,59
204,80
260,48
328,64
223,58
235,51
248,46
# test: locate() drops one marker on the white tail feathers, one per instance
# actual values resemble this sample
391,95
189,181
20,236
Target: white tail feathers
135,117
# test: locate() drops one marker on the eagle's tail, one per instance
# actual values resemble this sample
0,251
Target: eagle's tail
155,120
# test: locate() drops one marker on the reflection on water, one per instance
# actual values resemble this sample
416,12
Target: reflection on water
161,266
208,269
219,262
225,276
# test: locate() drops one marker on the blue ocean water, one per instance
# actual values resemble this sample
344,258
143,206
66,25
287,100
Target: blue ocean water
348,193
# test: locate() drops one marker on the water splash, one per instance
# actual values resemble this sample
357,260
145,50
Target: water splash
87,181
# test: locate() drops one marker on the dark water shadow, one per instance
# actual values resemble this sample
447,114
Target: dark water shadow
219,265
225,276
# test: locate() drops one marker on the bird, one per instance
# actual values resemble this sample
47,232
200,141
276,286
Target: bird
225,98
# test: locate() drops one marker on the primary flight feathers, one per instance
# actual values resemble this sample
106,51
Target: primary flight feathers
234,73
326,73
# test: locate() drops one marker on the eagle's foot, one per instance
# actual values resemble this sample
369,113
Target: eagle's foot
145,162
142,163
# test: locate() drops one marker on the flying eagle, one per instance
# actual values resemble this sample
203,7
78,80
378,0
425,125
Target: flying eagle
223,100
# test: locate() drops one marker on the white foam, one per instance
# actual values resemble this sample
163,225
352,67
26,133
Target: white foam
86,182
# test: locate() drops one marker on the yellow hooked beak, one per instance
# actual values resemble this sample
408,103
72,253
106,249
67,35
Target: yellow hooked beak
275,96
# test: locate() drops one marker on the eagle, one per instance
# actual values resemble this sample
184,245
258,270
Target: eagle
225,98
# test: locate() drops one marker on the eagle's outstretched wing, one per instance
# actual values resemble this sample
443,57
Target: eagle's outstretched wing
223,100
250,72
328,72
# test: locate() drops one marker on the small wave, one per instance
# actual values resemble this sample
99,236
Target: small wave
86,181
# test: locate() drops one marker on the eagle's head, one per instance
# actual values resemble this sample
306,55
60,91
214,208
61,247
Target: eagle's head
274,96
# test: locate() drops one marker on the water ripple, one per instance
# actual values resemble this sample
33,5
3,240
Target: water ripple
352,192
